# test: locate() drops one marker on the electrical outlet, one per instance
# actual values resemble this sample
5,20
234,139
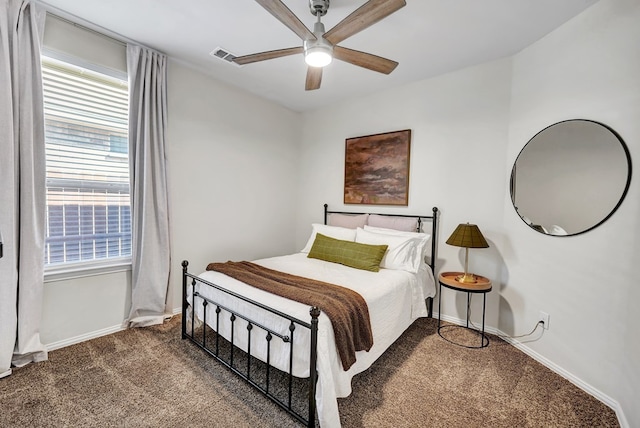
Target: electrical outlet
544,317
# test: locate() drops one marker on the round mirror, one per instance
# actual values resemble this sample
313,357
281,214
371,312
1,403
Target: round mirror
570,177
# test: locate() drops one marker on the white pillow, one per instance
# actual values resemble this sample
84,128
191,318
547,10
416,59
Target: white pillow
386,231
404,252
331,231
423,237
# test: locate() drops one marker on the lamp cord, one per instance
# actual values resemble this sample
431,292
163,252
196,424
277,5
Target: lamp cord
522,335
502,336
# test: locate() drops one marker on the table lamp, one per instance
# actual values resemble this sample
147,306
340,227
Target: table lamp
467,236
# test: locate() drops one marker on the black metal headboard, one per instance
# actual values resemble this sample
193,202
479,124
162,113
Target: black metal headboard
434,226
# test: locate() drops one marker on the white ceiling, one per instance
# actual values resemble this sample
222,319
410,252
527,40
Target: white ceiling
427,38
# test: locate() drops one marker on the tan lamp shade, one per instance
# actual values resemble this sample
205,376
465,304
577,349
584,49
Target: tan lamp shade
467,236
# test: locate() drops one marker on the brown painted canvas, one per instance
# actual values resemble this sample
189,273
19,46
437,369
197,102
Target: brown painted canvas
376,170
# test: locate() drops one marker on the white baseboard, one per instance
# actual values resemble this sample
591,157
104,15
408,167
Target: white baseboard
614,404
5,374
91,335
84,337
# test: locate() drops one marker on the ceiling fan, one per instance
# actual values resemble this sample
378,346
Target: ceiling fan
319,47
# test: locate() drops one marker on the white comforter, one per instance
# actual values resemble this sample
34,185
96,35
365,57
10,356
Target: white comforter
395,299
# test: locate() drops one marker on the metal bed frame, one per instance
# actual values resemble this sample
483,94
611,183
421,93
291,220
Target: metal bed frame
265,386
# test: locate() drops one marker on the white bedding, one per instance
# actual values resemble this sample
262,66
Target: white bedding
395,299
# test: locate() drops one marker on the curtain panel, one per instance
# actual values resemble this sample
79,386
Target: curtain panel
22,184
150,252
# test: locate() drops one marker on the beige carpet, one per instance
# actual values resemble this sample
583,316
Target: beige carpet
151,378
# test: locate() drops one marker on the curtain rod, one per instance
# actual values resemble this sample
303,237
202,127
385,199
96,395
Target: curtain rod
83,24
85,28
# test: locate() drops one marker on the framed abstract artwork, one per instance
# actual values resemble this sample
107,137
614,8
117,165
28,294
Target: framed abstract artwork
376,169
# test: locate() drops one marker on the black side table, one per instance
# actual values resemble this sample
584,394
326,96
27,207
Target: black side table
482,285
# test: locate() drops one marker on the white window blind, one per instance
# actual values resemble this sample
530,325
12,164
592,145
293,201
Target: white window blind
88,205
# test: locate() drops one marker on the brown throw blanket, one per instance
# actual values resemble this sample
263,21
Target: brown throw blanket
346,309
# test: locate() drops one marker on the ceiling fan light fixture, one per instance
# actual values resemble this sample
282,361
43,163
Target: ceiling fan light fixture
318,53
318,56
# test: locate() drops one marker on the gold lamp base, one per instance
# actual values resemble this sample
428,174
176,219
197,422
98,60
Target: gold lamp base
467,278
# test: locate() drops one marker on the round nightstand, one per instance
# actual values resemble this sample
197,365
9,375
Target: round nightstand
482,285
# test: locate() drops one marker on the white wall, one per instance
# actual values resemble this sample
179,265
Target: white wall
459,125
233,165
86,307
589,68
63,40
484,115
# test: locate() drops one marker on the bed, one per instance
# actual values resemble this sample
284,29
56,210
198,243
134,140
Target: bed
286,349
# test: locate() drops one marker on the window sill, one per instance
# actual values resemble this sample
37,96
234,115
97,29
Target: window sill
83,270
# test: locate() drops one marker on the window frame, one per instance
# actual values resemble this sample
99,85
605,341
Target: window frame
87,268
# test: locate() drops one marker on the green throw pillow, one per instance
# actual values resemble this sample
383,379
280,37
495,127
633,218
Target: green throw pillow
352,254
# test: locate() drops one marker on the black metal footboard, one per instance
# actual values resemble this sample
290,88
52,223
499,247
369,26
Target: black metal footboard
212,345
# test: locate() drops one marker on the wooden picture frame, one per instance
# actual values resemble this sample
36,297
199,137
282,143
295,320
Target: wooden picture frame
376,169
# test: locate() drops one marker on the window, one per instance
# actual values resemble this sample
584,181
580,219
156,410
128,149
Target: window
88,214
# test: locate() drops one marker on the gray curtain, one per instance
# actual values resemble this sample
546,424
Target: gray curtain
22,184
150,252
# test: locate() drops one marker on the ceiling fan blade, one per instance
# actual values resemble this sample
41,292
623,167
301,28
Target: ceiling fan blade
248,59
314,78
363,59
288,18
363,17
